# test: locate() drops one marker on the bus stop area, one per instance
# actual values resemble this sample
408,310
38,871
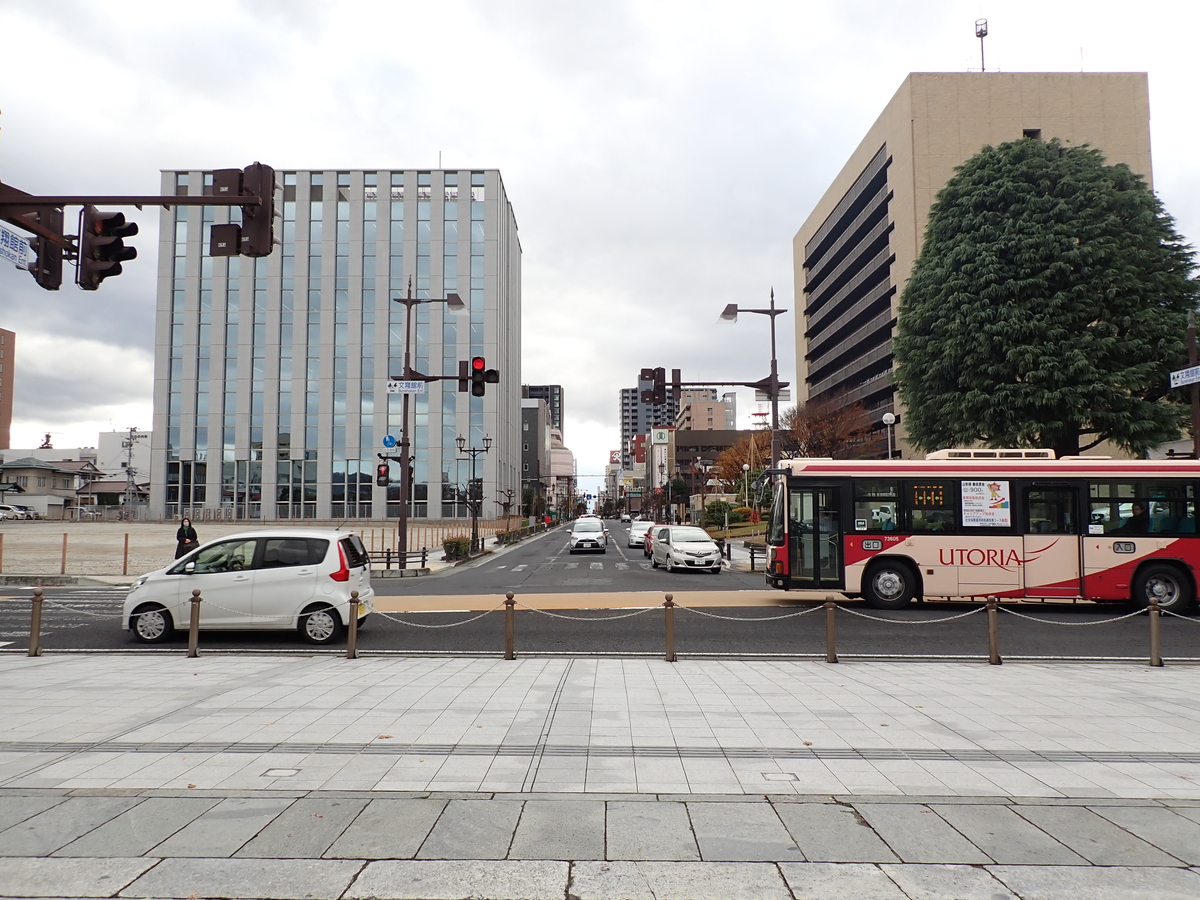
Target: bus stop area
307,775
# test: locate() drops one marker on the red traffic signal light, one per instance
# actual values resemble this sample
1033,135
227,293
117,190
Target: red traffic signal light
481,376
101,248
382,474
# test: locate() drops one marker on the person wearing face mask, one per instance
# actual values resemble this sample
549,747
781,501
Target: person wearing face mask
185,538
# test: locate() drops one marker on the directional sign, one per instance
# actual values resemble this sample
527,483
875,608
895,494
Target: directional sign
406,387
1185,376
14,248
389,441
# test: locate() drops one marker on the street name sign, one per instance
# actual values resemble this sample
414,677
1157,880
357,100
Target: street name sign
1185,376
406,387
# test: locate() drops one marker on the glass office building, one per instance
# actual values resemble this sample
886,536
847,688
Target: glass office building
271,375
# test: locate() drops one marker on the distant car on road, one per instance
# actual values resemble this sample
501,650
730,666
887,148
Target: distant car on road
10,512
588,533
30,512
625,518
685,547
637,532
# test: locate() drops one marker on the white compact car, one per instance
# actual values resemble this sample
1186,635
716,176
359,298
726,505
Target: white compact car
637,532
588,534
685,547
277,580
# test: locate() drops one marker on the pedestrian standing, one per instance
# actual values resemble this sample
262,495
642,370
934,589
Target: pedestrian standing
185,538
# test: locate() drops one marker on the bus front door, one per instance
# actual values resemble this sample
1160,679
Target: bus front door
1050,561
816,538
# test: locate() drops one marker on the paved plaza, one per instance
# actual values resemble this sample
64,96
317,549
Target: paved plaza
292,775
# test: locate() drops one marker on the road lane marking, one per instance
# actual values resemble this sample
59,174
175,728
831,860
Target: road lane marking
519,568
596,565
622,566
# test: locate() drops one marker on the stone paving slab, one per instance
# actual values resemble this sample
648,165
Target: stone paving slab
473,829
938,882
664,881
68,877
560,829
388,829
42,834
834,833
246,879
737,832
306,829
1164,828
224,829
840,881
917,834
17,808
1006,837
650,831
1094,838
441,880
135,831
1107,883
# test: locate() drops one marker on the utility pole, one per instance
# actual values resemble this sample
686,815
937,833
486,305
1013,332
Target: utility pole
131,438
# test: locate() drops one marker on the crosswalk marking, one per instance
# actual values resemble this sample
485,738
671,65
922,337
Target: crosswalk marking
597,565
519,568
572,565
622,566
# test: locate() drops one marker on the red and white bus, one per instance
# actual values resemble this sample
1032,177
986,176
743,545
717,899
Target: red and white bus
973,523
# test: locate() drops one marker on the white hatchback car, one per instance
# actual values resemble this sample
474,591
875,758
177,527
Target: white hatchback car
277,580
685,547
637,532
588,533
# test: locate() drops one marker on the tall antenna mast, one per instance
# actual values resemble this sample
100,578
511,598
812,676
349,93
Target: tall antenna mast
981,33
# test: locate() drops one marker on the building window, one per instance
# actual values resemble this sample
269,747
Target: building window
1035,133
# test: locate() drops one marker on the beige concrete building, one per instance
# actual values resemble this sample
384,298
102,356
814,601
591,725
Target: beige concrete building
855,251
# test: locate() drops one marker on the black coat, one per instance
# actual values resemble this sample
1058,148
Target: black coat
186,540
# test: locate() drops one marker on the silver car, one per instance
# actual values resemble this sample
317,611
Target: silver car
588,534
685,547
637,532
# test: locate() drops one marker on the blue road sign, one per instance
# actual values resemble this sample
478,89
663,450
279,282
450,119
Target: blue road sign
389,441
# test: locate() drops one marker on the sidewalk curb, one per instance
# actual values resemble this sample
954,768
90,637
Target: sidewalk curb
63,580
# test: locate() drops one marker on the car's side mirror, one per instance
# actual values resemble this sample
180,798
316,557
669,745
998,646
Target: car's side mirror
189,567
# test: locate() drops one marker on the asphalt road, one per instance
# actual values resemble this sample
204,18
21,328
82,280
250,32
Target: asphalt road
87,618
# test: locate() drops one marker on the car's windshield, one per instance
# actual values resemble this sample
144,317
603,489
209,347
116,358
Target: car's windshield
587,525
686,535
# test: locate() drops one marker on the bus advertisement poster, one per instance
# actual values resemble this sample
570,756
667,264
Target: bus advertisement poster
986,504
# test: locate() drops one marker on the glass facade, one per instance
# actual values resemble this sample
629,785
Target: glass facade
271,381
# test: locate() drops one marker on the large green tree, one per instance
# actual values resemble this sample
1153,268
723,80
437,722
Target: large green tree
1047,307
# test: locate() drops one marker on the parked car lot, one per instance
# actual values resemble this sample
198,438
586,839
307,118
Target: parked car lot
276,580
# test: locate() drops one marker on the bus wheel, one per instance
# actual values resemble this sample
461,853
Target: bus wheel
1166,584
889,586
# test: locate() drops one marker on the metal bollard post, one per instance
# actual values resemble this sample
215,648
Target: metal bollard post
510,615
993,632
35,626
194,625
125,560
1155,640
387,558
830,629
669,610
64,555
352,628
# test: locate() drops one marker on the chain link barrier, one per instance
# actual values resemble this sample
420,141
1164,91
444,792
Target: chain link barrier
486,612
709,615
863,615
1192,619
1013,612
628,615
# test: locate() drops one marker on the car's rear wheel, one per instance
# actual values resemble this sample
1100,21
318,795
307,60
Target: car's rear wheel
151,623
320,624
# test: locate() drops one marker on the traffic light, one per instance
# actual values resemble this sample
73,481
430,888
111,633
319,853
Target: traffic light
660,385
481,376
46,269
382,474
101,248
256,235
464,376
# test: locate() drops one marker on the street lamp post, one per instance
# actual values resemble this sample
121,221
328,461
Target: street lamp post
471,499
453,303
746,481
730,314
889,420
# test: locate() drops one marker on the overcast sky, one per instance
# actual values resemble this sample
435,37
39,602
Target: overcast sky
659,156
